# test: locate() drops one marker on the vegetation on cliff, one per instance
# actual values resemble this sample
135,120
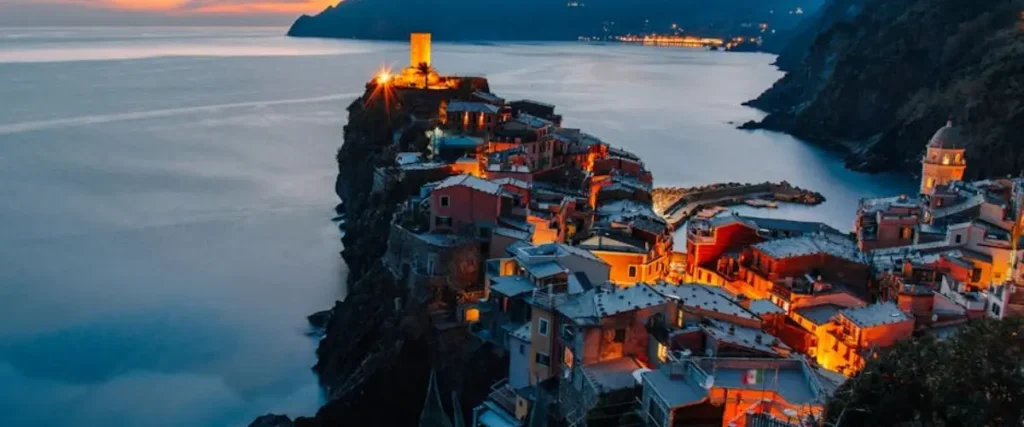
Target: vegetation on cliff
976,378
886,74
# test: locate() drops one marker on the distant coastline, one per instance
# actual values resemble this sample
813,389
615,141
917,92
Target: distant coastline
598,20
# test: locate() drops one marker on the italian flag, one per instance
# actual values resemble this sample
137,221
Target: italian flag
753,376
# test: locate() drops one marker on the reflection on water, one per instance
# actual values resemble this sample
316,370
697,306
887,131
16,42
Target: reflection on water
168,195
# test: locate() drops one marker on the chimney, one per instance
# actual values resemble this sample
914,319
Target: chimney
757,338
732,330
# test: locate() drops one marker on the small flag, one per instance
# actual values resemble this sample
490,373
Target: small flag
753,376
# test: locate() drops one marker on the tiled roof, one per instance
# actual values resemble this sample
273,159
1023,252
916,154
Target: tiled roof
511,286
530,101
545,269
580,252
470,181
613,243
461,141
533,121
639,296
513,182
515,234
875,315
489,97
701,297
676,391
522,332
819,314
837,246
620,209
653,227
880,204
581,308
472,107
763,306
612,375
741,336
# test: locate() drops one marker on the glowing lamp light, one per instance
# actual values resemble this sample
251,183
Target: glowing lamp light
384,77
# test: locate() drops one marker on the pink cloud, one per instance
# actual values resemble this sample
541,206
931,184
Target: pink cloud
208,6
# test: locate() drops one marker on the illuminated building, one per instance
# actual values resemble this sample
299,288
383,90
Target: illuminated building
851,336
419,49
944,160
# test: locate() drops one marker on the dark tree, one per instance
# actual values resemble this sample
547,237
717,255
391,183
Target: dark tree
424,70
975,378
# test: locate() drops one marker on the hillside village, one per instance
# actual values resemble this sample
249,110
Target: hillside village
541,242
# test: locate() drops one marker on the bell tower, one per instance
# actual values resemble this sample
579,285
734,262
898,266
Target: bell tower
944,160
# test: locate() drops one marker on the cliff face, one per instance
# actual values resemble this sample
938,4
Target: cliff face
377,353
884,75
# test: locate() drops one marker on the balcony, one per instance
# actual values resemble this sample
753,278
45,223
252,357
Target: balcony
503,395
544,298
700,234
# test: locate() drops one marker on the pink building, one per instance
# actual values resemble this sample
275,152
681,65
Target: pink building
887,222
465,202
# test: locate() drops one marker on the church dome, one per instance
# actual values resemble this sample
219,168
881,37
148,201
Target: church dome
948,137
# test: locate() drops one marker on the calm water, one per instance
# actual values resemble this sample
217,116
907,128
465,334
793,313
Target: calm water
167,195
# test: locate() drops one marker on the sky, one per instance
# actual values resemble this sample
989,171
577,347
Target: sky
156,12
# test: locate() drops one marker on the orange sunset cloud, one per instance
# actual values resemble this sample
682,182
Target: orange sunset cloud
215,6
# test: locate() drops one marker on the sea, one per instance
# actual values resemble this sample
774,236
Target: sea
168,195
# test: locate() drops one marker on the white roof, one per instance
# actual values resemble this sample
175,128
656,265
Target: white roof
836,246
704,298
513,182
742,336
470,181
639,296
875,315
522,332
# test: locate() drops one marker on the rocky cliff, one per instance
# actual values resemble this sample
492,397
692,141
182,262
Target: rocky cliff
880,76
377,353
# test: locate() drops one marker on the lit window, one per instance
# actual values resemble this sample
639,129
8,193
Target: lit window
472,315
679,318
542,326
662,352
445,201
945,159
567,357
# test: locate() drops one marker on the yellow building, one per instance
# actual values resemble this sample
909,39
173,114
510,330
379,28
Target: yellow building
419,51
944,161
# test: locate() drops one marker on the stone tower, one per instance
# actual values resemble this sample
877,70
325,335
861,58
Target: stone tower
944,161
419,49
